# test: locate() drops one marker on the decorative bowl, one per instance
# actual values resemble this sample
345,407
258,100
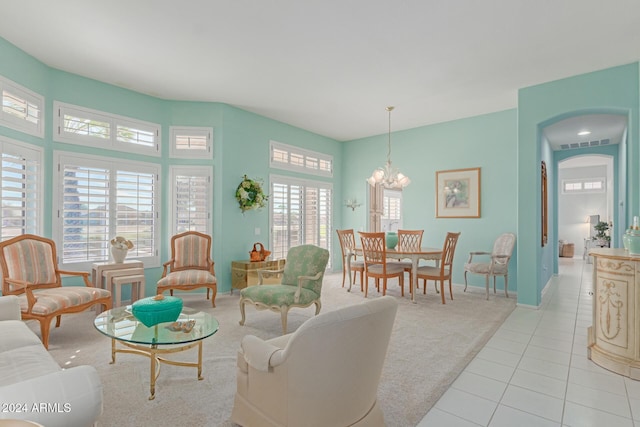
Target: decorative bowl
151,311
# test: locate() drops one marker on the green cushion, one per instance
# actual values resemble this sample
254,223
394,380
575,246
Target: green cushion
278,295
151,312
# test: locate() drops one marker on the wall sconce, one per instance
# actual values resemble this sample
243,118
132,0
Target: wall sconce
352,203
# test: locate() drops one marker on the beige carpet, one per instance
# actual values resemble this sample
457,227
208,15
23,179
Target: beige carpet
430,345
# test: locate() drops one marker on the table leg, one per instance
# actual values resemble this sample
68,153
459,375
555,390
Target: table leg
414,278
152,372
113,351
200,377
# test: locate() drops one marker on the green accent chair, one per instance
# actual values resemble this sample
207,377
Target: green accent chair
301,284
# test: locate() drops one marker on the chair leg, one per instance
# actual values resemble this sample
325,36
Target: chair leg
465,281
344,272
506,286
366,285
401,283
424,286
435,285
442,290
283,316
361,282
486,279
450,289
318,307
45,325
494,284
207,293
214,292
58,318
384,286
242,312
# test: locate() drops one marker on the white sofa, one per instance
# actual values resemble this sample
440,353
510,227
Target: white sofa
33,386
324,374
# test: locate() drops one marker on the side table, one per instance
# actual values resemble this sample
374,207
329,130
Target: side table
245,273
107,270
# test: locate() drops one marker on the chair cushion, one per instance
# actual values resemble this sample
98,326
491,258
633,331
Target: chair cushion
483,268
392,268
197,278
23,363
278,295
427,270
191,251
357,265
55,299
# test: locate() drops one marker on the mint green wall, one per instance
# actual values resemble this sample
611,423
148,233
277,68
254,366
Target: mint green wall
241,145
614,89
487,142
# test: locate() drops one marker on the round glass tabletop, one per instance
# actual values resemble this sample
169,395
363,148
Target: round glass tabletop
121,324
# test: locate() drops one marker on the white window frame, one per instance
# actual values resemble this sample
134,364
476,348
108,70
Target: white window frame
190,153
583,182
32,216
307,183
306,158
28,96
192,171
114,165
113,122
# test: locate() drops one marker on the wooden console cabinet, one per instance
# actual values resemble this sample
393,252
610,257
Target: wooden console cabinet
245,273
614,337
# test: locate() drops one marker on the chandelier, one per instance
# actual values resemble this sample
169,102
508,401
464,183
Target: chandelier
388,176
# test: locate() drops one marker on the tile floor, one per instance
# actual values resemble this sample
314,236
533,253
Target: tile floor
534,371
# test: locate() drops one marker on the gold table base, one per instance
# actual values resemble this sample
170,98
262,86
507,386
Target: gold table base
153,352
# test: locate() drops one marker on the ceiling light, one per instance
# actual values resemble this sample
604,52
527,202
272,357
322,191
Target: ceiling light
584,132
388,176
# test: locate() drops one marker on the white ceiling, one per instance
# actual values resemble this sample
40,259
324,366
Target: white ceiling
330,66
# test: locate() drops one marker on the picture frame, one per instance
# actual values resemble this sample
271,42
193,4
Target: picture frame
458,193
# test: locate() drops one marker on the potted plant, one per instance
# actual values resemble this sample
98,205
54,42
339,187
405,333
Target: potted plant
602,237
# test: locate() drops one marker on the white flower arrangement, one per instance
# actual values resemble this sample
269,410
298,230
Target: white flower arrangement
250,195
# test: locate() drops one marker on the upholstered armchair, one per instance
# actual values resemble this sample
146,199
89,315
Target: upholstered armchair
324,374
30,271
301,284
190,266
497,264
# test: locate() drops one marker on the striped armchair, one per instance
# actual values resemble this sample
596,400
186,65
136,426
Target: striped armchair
30,271
190,266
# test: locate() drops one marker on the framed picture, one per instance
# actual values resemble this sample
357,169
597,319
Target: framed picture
458,193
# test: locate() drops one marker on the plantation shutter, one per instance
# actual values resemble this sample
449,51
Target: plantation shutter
20,171
85,213
192,203
135,210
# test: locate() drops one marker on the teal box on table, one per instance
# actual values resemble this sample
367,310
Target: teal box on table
151,311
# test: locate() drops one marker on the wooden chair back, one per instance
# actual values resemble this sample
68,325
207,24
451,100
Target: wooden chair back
410,239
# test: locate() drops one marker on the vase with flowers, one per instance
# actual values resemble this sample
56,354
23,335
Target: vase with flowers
119,248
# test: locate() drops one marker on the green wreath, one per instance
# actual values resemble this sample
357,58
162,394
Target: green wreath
250,196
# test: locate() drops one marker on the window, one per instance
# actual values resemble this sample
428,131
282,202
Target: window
191,142
21,189
192,197
581,186
391,219
300,214
100,198
22,109
297,159
82,126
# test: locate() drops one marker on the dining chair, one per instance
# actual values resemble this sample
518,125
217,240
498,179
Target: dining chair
498,265
376,264
445,270
348,246
409,240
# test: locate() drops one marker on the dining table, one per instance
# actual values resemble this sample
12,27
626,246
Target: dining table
399,253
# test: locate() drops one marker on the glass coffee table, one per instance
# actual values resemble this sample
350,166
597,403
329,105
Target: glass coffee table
164,338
